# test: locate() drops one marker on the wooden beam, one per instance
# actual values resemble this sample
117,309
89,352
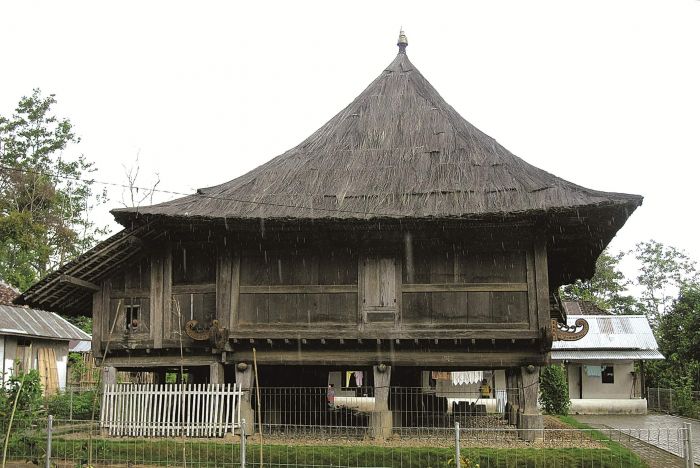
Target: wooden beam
126,362
465,287
442,359
300,289
78,282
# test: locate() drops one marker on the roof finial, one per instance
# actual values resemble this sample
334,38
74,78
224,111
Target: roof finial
403,42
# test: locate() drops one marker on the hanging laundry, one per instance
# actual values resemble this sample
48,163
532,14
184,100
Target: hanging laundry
359,377
467,377
593,371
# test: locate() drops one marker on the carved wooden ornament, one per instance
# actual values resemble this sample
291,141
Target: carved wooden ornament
563,332
217,335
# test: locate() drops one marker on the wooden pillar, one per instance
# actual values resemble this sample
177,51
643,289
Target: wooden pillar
244,378
216,373
530,420
513,397
381,416
109,375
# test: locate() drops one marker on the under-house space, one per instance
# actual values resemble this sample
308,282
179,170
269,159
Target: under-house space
397,270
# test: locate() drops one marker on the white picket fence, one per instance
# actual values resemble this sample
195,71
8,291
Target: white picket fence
165,410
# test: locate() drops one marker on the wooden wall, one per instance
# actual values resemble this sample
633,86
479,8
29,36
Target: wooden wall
408,289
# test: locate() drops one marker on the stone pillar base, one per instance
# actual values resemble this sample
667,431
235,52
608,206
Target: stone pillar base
381,423
531,426
249,416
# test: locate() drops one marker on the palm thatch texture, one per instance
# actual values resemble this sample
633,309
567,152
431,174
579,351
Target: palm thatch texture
397,151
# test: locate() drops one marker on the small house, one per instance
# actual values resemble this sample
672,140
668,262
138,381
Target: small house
605,368
35,339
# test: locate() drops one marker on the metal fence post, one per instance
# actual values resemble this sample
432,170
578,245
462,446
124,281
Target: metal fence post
658,398
688,442
670,399
243,443
49,430
458,461
70,389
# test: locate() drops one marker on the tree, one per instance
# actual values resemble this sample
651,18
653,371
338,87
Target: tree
678,335
44,200
606,288
664,270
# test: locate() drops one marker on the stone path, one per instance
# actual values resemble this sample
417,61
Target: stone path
659,430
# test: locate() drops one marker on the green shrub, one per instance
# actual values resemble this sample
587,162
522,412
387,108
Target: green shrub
554,390
30,403
60,405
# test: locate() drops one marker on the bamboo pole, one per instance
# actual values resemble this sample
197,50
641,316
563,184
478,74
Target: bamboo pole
257,393
99,381
182,384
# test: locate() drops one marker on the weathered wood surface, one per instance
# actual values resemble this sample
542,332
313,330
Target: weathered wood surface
453,290
79,282
441,359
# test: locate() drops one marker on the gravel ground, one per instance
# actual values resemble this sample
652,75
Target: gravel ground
498,435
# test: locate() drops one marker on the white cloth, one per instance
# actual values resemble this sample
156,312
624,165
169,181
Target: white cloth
467,377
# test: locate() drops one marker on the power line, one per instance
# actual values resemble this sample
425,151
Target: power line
184,194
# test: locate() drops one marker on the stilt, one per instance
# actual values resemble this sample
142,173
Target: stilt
381,420
109,376
244,378
530,418
216,373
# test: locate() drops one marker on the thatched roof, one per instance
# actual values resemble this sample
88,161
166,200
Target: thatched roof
397,151
398,154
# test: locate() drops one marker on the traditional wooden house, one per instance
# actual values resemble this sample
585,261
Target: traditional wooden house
397,238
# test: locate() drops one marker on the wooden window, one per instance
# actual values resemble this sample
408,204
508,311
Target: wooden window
380,282
608,374
132,316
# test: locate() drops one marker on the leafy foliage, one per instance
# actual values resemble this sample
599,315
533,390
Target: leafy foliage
43,201
678,335
30,403
60,405
606,288
663,271
554,390
82,322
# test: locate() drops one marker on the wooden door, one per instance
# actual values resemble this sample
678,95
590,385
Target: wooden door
379,286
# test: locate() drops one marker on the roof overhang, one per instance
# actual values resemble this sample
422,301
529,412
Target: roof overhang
606,355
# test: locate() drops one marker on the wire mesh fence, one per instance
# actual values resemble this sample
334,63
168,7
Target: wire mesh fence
354,411
670,400
83,443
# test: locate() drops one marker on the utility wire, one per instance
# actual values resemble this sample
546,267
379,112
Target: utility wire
202,195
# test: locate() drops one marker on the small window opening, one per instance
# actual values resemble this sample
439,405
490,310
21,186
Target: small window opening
132,316
608,374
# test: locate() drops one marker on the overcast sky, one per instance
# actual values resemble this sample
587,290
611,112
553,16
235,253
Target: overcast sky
605,93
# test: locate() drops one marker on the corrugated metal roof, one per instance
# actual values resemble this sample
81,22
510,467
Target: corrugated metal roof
609,355
612,332
80,346
23,321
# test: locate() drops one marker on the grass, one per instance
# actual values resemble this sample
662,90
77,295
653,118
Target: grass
202,453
